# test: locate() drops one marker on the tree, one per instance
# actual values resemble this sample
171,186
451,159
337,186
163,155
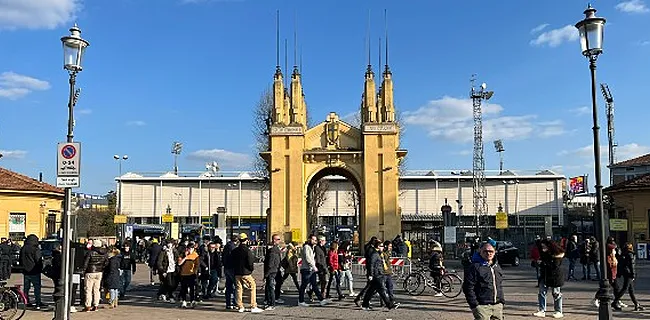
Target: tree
316,198
262,115
97,222
354,201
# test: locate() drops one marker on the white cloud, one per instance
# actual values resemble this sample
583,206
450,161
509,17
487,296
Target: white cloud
643,43
632,6
462,153
580,111
451,119
14,86
539,28
13,154
225,158
136,123
556,37
37,14
624,152
84,111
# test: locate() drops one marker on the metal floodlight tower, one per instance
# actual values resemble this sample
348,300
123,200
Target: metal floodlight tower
478,167
609,100
498,146
176,150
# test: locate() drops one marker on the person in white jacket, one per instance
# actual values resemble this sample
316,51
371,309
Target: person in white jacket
308,273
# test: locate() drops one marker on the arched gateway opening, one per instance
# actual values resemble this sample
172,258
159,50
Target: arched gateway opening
334,200
367,155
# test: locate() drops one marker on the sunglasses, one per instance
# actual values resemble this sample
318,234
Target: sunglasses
488,251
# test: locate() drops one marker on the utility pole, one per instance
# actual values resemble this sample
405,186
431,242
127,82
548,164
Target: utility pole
478,167
607,95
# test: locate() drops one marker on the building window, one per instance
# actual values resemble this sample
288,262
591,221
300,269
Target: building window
17,226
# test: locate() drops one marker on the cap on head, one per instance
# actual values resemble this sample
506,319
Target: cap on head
321,238
243,236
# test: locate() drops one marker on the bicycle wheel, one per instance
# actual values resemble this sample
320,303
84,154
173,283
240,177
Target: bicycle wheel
9,305
451,285
415,284
22,301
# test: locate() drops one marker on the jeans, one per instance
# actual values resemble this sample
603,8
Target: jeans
347,280
308,277
114,293
35,279
168,284
336,275
269,290
557,298
278,285
230,287
628,285
125,276
376,285
188,283
389,287
572,268
210,285
596,269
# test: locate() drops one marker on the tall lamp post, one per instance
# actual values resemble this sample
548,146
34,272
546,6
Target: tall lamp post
591,42
73,50
118,209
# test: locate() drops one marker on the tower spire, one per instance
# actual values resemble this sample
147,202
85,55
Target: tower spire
278,70
386,69
369,69
279,112
295,43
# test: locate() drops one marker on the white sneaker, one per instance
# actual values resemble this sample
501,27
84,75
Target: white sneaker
241,310
162,297
352,295
184,304
279,301
596,303
256,310
622,305
557,315
171,300
269,308
439,294
73,309
303,304
325,302
193,304
540,314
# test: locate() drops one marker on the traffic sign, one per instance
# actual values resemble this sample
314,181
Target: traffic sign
167,218
67,182
68,159
119,219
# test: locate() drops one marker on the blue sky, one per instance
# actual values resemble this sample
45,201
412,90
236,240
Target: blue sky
192,70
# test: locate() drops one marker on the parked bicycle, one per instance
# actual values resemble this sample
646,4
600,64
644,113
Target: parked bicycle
449,284
13,302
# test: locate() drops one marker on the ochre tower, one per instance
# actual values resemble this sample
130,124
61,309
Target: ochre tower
368,156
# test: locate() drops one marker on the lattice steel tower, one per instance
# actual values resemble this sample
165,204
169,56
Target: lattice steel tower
478,168
607,95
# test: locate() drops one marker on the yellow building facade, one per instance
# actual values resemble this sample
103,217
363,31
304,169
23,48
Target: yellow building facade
368,156
632,204
28,206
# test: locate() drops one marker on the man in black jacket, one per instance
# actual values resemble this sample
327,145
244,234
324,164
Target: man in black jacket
210,270
573,254
127,268
6,256
229,271
154,251
483,285
94,263
31,259
375,267
271,268
243,260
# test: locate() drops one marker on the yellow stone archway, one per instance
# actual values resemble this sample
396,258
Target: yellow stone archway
368,156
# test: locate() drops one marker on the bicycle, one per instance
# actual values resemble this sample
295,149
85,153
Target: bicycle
13,303
449,284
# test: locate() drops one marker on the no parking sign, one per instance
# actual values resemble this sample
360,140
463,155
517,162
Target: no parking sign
68,164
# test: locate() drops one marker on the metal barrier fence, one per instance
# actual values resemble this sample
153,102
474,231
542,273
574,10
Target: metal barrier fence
401,267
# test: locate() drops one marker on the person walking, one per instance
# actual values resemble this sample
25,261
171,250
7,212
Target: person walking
189,264
94,264
483,285
552,277
573,254
626,269
111,277
345,260
271,268
243,262
290,265
32,262
228,272
376,267
167,272
127,268
585,249
367,251
308,273
153,252
334,270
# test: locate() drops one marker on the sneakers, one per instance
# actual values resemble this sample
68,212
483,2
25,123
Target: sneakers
193,304
366,308
540,314
638,308
439,294
73,309
622,305
268,308
171,300
557,315
303,304
595,303
257,310
184,304
325,302
279,301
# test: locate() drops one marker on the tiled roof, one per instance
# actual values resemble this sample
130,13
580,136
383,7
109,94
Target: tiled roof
10,180
638,183
643,160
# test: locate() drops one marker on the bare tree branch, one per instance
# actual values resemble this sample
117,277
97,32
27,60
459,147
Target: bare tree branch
316,199
262,115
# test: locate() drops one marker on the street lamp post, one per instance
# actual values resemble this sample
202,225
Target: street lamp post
591,41
118,193
73,50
